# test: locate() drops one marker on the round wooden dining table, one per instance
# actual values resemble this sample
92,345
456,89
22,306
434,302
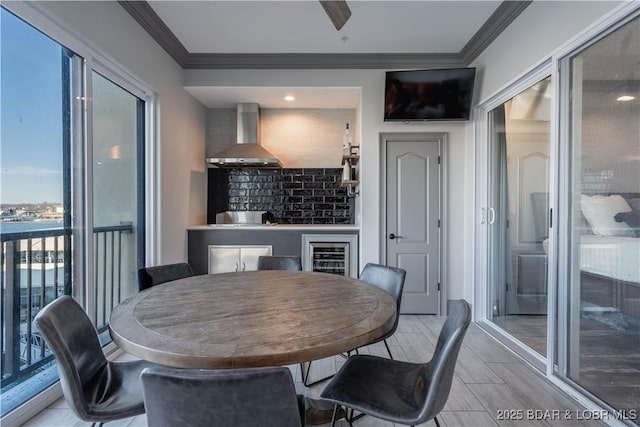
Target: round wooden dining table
251,319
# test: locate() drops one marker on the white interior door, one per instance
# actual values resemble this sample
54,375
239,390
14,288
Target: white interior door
413,207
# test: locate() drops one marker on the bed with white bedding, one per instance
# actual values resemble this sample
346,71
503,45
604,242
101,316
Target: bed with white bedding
610,253
616,257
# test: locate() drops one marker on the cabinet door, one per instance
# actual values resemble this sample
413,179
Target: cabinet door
224,259
249,256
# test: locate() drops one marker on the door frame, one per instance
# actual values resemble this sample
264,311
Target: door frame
387,138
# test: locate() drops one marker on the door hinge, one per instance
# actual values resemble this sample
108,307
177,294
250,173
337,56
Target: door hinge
438,285
438,159
506,287
438,223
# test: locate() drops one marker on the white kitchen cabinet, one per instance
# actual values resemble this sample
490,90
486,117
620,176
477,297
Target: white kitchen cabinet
228,258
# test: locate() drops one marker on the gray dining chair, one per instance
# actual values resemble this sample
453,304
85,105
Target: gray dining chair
151,276
387,278
97,390
391,280
397,391
250,397
280,262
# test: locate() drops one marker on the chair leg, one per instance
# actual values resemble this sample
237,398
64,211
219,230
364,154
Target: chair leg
302,371
388,350
349,416
333,416
305,376
436,420
356,417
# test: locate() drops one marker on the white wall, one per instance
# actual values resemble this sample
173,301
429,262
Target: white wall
543,27
108,28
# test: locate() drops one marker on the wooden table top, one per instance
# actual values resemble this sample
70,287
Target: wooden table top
250,319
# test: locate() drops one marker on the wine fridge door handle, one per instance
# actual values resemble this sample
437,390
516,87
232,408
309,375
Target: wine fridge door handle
237,267
393,236
244,267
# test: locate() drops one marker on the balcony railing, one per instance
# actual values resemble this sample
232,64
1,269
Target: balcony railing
36,269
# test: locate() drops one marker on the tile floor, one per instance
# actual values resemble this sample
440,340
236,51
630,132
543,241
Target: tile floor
488,380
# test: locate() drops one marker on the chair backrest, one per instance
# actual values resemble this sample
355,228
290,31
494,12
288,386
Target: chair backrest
280,262
73,340
440,368
151,276
227,397
390,279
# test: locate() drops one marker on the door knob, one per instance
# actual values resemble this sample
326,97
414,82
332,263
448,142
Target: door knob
393,236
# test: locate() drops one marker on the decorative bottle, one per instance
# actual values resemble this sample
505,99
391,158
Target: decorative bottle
346,171
346,141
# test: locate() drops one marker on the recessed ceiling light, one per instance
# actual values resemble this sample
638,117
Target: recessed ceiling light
289,98
624,98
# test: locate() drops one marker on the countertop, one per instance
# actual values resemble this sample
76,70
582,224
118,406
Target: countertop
277,227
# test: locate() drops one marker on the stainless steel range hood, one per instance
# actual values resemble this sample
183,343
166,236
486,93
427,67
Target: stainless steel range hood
247,151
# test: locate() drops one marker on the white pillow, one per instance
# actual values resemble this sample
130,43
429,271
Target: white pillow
599,212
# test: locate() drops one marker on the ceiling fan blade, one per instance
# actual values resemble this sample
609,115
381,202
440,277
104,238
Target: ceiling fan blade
338,11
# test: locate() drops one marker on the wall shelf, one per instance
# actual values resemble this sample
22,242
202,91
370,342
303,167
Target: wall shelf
349,162
352,159
349,183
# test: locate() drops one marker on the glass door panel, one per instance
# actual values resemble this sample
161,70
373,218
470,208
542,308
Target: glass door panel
604,200
518,214
40,228
118,129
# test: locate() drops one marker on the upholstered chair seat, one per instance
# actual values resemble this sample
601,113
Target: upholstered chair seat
96,389
250,397
151,276
280,262
401,392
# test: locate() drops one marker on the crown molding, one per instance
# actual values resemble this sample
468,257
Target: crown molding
148,19
144,14
322,61
499,20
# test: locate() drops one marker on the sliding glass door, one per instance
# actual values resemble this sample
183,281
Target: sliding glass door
603,225
118,194
72,198
517,217
560,217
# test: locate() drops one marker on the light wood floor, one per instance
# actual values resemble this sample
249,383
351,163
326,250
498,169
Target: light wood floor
609,357
488,380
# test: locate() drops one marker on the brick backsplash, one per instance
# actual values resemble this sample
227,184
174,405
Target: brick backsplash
293,196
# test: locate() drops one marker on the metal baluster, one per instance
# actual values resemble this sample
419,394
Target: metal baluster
104,281
43,288
29,295
119,266
3,302
113,257
96,273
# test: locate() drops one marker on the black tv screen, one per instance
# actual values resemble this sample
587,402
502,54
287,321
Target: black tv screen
438,94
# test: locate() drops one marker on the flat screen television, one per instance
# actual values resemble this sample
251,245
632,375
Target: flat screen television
438,94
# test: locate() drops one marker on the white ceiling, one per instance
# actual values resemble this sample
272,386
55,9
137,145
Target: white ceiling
301,26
